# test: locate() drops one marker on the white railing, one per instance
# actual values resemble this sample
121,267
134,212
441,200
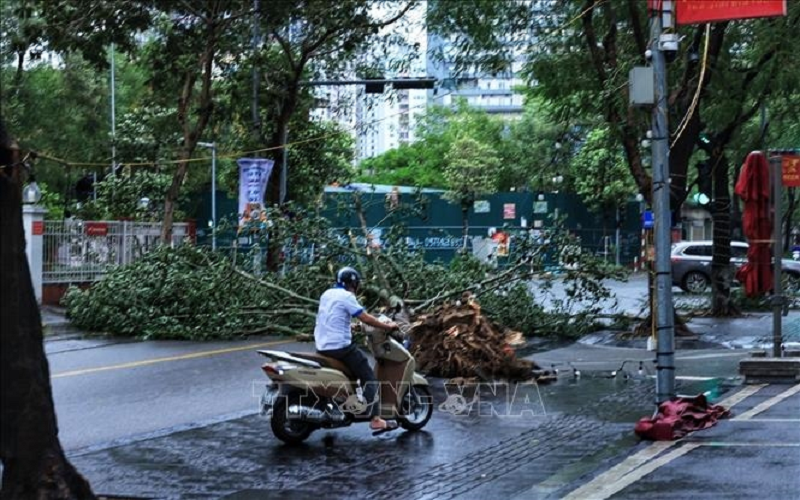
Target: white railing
82,251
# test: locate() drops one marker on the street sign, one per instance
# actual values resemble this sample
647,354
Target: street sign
707,11
791,170
648,221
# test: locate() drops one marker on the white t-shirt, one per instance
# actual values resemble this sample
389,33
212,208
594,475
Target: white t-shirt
337,307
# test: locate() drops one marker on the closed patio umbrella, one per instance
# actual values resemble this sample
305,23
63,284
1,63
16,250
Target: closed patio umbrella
753,187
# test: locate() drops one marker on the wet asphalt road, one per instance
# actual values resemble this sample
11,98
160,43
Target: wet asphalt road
110,391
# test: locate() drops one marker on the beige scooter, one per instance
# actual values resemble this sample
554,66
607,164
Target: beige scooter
309,391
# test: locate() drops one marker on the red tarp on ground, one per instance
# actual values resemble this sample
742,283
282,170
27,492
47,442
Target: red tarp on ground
678,417
753,187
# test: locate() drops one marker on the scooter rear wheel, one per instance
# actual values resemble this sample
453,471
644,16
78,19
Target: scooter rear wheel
290,431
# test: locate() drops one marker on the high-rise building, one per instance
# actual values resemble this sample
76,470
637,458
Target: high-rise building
385,121
381,122
491,92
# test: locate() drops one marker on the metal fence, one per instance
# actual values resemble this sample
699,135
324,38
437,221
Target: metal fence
82,251
438,244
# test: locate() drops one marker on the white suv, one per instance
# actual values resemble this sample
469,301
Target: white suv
691,265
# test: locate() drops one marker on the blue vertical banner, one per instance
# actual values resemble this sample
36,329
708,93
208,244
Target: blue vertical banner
253,176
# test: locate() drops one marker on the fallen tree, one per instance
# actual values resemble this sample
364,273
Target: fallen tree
191,293
457,340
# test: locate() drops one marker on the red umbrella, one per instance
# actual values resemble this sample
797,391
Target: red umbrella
753,188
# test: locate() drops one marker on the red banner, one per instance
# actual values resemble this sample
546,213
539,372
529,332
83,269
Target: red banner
96,229
38,228
706,11
791,171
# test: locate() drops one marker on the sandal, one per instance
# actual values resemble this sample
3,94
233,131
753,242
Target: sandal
390,426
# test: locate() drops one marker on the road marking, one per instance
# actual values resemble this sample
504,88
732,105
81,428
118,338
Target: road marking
636,466
716,355
607,484
621,469
767,420
136,364
773,445
766,405
740,396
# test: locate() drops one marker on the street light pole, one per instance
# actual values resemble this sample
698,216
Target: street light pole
663,314
213,146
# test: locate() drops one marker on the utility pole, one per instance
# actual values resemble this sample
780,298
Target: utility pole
213,147
777,300
662,45
113,115
256,77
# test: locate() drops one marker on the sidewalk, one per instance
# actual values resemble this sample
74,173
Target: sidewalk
753,454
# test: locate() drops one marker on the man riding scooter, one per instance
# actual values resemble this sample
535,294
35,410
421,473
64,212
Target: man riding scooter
333,337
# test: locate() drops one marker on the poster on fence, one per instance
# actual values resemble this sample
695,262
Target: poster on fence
253,176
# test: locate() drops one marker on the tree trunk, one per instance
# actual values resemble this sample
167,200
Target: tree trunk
721,269
203,107
169,202
34,464
278,140
737,231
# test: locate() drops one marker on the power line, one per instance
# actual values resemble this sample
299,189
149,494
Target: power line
355,128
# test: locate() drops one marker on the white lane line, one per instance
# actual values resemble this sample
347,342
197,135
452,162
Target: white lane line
621,469
608,486
694,378
593,489
767,420
770,445
740,396
766,405
714,355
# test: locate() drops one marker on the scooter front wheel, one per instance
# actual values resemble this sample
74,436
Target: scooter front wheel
417,408
290,431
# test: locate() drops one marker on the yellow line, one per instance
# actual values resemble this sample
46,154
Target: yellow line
766,405
136,364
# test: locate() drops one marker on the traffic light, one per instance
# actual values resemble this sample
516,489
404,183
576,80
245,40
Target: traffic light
375,87
378,85
413,83
704,181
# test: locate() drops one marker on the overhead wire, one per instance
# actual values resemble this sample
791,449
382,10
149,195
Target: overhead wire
241,153
356,127
704,64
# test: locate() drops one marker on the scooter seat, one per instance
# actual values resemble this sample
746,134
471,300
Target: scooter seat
325,361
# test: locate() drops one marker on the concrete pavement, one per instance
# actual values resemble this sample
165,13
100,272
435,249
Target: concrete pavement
753,454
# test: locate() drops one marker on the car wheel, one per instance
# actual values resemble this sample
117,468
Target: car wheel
791,283
695,282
